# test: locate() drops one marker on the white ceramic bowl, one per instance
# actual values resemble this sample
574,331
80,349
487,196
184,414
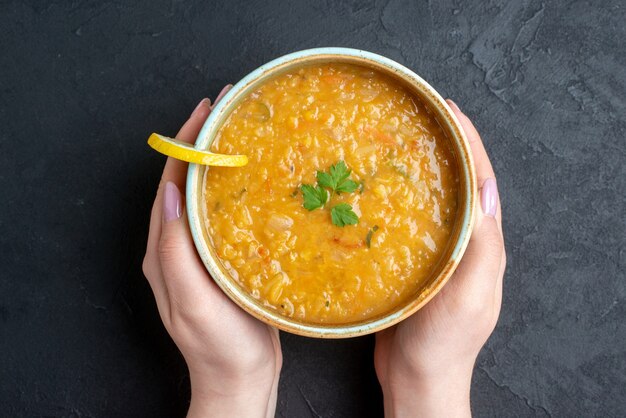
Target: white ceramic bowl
466,201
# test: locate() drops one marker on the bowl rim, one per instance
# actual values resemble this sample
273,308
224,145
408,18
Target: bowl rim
244,300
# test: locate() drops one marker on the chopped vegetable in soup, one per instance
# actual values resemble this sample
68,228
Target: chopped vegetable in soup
347,202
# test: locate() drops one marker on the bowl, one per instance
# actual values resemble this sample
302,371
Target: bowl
466,199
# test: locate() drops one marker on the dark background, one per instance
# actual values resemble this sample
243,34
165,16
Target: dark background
83,83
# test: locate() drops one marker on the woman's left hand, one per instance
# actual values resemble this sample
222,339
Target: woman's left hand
234,360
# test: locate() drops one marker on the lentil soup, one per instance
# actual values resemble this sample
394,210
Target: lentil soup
404,197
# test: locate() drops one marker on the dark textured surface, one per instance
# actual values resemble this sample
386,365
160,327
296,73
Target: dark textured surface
83,83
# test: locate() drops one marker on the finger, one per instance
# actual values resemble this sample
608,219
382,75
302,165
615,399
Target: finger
483,264
175,170
484,170
476,279
161,296
481,160
151,264
186,278
152,269
222,93
479,275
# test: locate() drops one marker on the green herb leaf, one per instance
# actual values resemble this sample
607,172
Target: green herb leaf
325,180
348,186
337,178
340,171
368,237
314,197
343,215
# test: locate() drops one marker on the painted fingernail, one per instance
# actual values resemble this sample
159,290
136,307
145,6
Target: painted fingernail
489,197
453,105
203,103
223,93
172,208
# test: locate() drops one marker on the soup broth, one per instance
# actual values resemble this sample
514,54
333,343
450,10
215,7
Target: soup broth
299,261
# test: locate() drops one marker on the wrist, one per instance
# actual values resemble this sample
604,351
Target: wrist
250,396
444,393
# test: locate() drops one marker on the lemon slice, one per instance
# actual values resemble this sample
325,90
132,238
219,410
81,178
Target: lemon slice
186,152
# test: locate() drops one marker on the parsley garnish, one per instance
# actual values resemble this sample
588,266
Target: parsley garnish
343,215
337,180
314,197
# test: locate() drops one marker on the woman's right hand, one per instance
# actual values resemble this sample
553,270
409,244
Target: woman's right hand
425,363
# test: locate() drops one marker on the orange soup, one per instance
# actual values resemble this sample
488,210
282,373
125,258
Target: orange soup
349,198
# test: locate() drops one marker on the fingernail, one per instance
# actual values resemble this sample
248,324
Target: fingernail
453,105
203,103
489,197
171,202
223,93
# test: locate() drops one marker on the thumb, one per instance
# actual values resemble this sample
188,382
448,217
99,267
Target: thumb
478,273
185,277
